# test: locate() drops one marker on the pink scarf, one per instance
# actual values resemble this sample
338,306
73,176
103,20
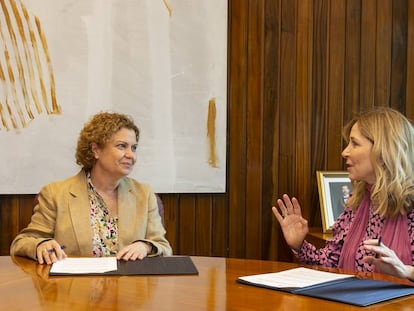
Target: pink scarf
394,235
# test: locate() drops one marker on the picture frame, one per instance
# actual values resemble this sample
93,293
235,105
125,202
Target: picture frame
334,188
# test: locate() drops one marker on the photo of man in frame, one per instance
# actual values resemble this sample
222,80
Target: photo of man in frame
340,192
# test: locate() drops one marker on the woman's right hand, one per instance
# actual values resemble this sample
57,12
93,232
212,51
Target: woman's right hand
49,252
294,226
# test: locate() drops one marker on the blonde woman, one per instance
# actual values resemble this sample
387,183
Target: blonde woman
376,230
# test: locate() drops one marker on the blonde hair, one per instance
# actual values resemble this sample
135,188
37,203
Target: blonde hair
392,157
100,129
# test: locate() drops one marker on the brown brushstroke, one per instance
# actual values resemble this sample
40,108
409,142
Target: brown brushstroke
211,133
18,59
3,118
7,58
32,79
55,107
37,61
168,7
12,119
13,88
31,70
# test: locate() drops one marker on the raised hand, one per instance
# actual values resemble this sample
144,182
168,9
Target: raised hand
293,225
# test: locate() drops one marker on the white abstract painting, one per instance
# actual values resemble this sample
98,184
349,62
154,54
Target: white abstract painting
164,62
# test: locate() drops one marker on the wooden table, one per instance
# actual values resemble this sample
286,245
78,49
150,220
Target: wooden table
25,285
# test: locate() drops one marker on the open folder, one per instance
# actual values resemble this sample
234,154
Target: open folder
170,265
344,288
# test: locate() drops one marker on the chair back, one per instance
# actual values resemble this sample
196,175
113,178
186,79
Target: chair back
160,208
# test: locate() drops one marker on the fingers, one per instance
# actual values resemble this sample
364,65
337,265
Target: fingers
380,250
387,262
122,254
277,214
296,206
45,255
137,250
282,208
287,203
287,207
49,252
377,247
128,255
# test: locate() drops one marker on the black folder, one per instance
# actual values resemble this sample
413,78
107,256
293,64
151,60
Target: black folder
355,291
169,265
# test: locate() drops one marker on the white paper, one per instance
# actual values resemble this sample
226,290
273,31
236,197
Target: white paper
84,265
294,278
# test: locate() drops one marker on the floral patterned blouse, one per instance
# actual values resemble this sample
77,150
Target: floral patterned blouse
104,227
329,255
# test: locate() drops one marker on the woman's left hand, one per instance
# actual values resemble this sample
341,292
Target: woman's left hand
138,250
386,261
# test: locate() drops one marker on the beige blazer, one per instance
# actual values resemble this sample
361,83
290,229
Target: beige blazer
63,214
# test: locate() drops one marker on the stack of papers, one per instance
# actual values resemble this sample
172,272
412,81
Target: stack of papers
294,278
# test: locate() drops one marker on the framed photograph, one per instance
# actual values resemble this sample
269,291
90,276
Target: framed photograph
334,189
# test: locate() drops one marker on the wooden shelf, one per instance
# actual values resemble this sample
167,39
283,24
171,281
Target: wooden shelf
317,237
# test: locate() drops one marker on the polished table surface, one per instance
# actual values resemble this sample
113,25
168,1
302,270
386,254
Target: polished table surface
25,285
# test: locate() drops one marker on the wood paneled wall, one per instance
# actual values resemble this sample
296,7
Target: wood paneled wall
297,70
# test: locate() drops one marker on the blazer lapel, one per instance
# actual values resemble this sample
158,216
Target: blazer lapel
79,208
127,213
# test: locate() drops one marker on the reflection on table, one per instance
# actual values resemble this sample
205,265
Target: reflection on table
25,285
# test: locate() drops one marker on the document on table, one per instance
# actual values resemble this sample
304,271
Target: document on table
293,278
158,265
85,265
343,288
